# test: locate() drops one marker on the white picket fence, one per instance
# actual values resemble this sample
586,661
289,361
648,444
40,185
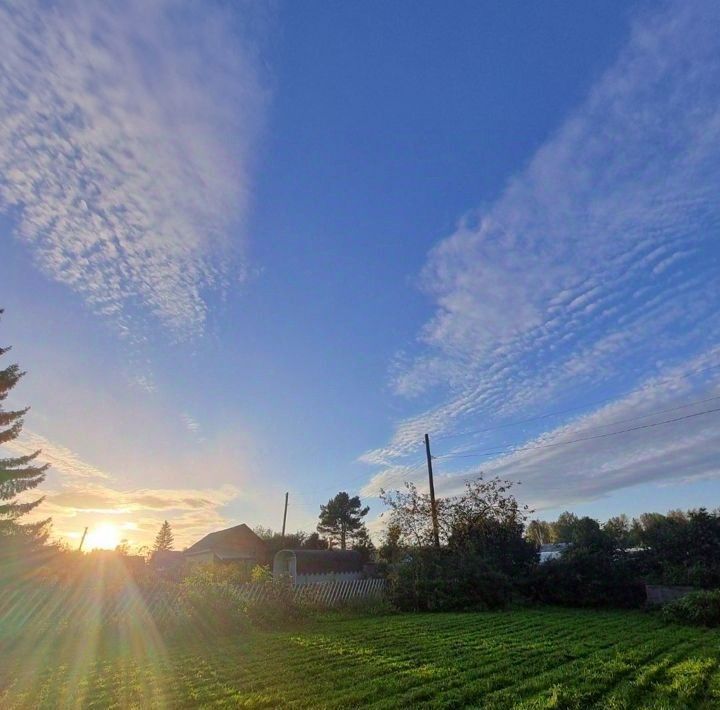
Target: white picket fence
328,593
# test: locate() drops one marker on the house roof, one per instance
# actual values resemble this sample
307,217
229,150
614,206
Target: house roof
238,541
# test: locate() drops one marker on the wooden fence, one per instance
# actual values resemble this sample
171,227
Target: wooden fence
321,594
46,606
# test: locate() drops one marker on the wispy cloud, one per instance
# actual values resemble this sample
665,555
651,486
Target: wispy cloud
62,459
665,430
126,134
597,266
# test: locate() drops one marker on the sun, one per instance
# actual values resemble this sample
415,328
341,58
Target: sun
105,536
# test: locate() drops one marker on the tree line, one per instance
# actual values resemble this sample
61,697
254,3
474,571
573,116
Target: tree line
488,551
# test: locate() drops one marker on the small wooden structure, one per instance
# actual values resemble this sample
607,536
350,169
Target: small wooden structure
313,566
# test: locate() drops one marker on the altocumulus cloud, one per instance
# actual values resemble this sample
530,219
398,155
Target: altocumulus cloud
593,272
126,134
664,431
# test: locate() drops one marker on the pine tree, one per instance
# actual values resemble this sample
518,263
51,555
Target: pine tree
18,474
342,518
164,539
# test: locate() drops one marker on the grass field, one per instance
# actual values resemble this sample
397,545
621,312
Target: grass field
525,659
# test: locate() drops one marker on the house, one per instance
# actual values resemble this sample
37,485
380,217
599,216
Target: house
238,545
311,566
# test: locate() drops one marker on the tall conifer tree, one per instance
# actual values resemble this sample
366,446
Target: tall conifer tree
18,474
164,539
341,518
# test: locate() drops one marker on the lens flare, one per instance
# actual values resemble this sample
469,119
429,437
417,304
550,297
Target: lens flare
104,537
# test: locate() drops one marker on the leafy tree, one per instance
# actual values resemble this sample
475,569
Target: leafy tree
411,515
619,530
341,518
564,526
18,474
590,572
540,532
679,516
363,544
314,542
482,502
681,548
488,523
587,534
164,540
292,541
391,549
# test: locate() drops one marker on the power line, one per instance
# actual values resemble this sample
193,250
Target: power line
654,413
575,441
546,415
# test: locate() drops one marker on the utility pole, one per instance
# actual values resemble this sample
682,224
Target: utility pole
82,540
433,507
284,518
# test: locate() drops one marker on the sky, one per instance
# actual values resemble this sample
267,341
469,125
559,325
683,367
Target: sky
253,248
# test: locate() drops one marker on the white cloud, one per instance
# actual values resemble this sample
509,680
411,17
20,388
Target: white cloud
62,459
595,268
125,143
610,451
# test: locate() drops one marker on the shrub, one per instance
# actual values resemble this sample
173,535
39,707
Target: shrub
447,580
701,608
276,607
586,578
260,573
213,606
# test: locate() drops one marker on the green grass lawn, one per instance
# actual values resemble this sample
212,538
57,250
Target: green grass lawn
525,659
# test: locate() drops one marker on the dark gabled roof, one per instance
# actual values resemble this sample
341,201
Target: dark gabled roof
219,540
319,561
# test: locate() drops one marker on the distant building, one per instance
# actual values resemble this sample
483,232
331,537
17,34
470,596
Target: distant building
552,551
239,545
311,566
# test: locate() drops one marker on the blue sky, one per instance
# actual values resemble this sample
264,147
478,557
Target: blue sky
261,248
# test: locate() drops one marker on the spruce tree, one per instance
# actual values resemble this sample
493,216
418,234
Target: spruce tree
18,474
164,539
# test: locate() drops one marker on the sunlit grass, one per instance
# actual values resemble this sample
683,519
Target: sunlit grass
526,659
61,630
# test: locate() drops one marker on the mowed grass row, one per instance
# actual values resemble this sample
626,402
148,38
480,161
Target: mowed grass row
526,659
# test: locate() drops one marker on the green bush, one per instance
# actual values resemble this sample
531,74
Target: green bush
212,606
586,578
445,579
701,608
276,607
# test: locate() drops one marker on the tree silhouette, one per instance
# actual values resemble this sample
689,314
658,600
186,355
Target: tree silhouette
18,474
164,539
342,518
